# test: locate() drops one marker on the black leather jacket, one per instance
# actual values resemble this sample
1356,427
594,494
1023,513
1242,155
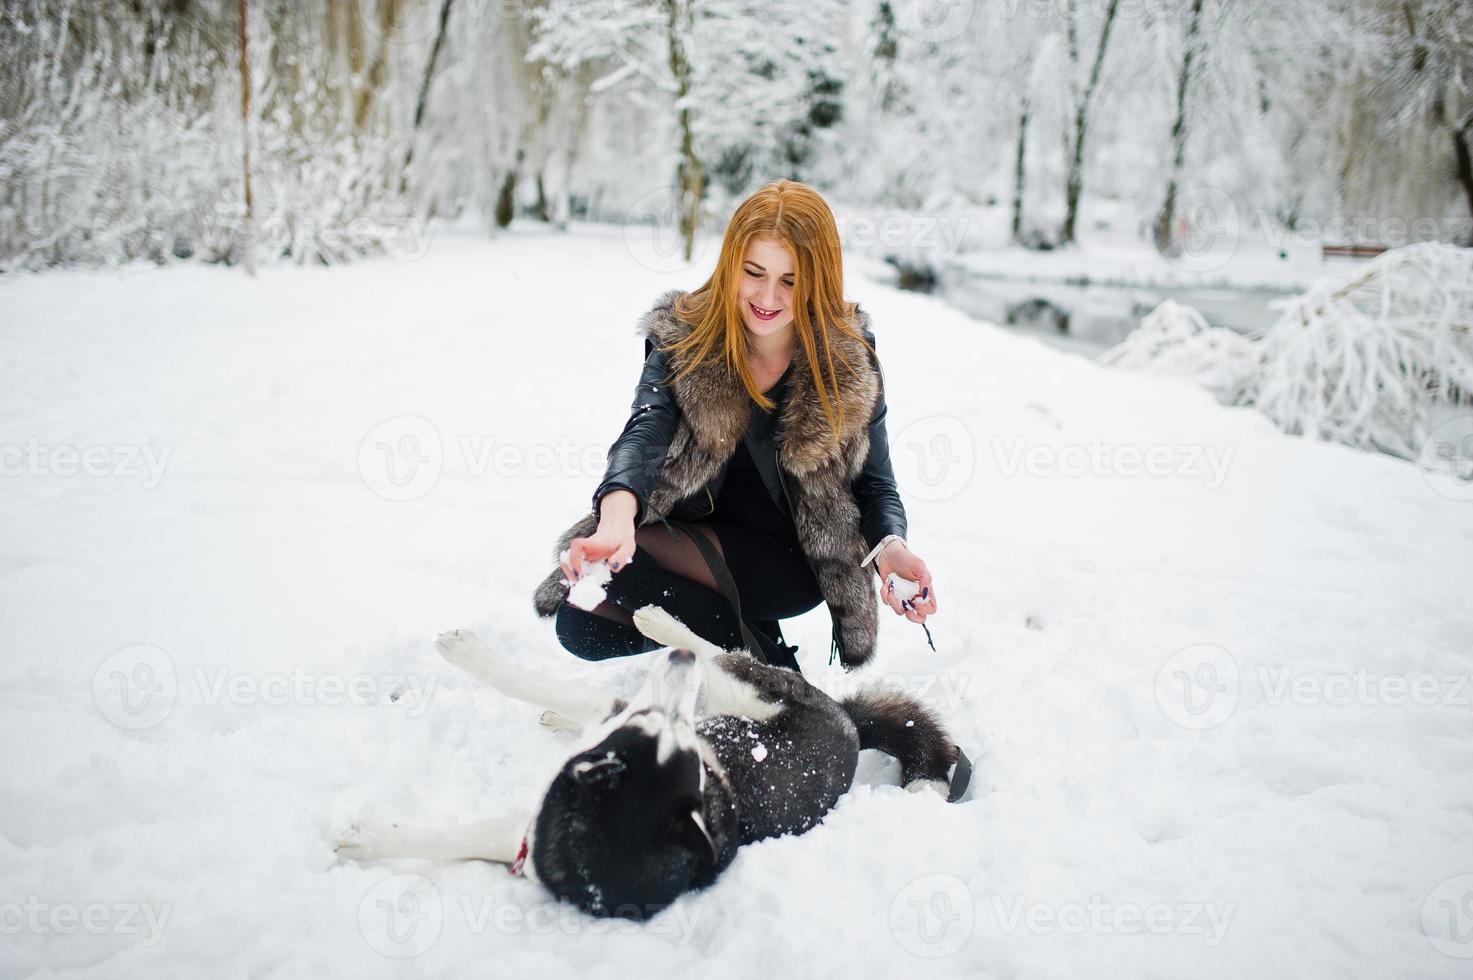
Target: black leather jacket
638,454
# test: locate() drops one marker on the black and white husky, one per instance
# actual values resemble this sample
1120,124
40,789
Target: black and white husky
657,801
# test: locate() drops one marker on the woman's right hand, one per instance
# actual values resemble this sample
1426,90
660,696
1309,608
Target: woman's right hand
614,539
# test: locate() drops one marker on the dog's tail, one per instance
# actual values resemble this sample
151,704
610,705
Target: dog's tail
903,728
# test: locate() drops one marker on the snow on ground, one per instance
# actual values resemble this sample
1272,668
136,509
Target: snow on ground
1214,679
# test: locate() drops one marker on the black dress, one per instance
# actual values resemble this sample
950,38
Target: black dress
758,539
760,544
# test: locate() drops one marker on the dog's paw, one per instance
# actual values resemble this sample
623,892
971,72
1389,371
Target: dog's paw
359,842
660,626
937,786
559,723
460,647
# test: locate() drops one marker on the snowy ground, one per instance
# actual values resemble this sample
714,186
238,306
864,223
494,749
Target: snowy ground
1215,680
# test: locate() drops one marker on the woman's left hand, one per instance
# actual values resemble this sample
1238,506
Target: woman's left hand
903,562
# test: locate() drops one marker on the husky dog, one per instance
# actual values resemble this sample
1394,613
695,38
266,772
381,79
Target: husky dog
656,802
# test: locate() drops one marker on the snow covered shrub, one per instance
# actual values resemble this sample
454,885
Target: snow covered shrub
121,133
1370,356
106,131
1176,339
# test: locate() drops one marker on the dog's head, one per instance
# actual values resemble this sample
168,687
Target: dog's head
623,827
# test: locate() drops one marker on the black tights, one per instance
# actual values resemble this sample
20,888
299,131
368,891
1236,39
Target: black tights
669,572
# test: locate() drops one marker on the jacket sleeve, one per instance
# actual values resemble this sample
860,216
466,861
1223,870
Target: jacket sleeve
637,456
880,509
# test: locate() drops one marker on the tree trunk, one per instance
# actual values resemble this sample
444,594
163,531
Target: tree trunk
248,246
424,93
354,37
373,82
560,205
1074,188
1019,172
690,173
544,212
1165,237
1465,171
506,199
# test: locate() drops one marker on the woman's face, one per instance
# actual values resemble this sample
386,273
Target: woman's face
767,287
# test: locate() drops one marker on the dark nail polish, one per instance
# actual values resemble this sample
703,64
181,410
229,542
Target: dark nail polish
926,592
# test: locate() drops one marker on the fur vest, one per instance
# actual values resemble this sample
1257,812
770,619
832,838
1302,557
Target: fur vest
714,412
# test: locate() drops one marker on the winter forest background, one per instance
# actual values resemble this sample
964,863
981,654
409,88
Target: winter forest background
130,130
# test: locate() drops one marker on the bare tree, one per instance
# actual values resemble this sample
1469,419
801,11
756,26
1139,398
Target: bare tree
248,248
1019,167
690,172
1463,161
1041,158
1166,218
1074,186
1429,82
376,76
424,92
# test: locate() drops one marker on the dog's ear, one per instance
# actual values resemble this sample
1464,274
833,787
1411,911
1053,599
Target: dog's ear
598,775
691,834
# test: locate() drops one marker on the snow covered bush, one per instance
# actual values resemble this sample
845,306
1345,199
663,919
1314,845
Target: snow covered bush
1176,339
1370,357
122,130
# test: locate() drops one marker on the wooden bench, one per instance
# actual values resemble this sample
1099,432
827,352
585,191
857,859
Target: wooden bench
1351,251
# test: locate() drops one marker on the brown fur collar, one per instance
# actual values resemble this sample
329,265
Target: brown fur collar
719,406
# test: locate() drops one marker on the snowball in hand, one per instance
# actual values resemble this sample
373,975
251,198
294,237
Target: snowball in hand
904,589
592,584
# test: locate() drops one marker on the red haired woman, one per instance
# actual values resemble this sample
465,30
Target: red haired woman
753,479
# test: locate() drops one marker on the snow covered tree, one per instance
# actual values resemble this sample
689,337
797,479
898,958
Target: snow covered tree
922,125
1427,85
745,87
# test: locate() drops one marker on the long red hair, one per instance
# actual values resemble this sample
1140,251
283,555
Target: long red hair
798,217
